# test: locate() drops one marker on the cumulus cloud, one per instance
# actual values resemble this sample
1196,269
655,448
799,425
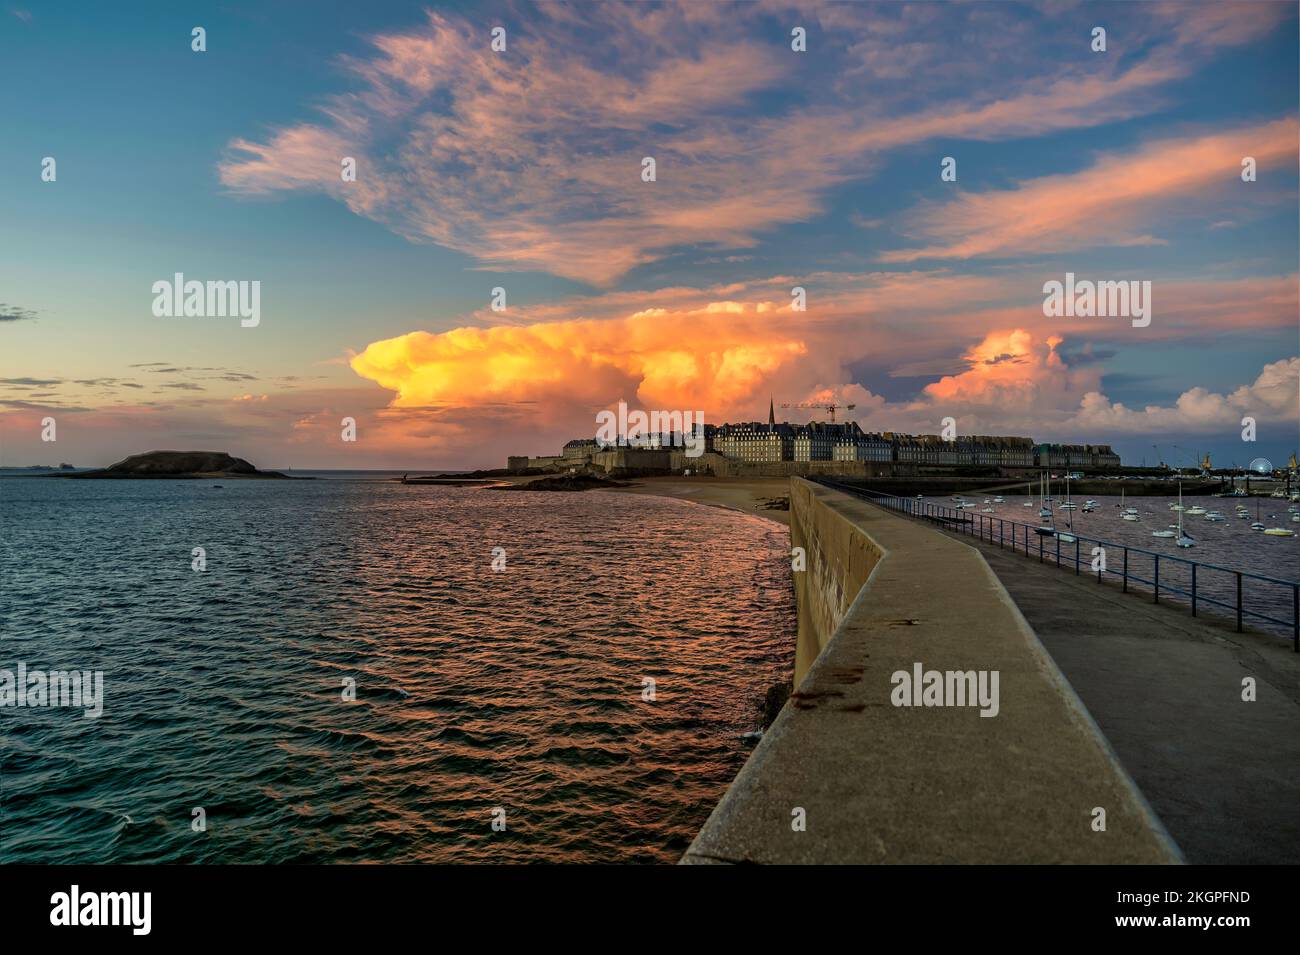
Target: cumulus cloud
1011,369
712,358
986,353
1274,396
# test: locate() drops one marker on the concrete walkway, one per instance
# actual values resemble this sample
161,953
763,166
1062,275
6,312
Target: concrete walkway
1223,775
848,774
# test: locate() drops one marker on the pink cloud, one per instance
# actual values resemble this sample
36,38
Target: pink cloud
530,159
1110,203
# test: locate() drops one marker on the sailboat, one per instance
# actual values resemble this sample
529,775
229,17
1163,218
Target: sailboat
1181,537
1044,512
1127,513
1068,504
1170,532
1029,490
1069,518
1256,524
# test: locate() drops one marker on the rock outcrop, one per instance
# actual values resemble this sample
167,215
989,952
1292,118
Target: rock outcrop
180,464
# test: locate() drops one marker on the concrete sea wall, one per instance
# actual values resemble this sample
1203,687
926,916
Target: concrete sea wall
844,775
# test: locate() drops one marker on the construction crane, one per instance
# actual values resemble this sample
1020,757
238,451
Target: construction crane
1204,463
828,406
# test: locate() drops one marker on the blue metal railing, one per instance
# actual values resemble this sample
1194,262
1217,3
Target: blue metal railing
1019,537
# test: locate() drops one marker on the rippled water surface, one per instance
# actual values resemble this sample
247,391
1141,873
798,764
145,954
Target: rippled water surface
476,689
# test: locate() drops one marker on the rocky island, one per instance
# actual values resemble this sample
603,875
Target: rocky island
179,465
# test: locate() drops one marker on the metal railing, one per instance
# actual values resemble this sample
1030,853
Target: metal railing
1189,577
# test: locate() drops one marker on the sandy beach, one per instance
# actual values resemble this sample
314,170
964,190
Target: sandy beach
750,495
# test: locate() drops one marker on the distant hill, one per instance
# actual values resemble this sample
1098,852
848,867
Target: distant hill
180,464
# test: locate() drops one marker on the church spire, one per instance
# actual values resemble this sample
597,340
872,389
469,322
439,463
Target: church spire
771,413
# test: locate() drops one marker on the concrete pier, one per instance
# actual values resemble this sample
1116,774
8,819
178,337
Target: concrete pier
1165,687
846,776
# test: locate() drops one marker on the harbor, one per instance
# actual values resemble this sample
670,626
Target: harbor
1181,726
1233,568
1166,690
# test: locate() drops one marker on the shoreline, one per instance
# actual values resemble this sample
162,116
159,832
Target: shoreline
744,495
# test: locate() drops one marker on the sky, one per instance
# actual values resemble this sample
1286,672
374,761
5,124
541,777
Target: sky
522,169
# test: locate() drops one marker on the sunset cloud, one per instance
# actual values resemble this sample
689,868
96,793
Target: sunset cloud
1013,369
513,159
1113,202
712,359
774,170
1016,382
992,359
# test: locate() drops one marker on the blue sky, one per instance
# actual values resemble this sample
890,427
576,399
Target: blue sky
520,170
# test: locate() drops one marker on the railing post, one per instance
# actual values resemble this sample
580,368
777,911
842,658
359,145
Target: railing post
1239,601
1076,557
1295,618
1002,531
1058,550
1125,570
1157,578
1193,590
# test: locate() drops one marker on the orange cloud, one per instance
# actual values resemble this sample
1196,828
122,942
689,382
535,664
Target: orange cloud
1107,204
713,359
725,350
1013,370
